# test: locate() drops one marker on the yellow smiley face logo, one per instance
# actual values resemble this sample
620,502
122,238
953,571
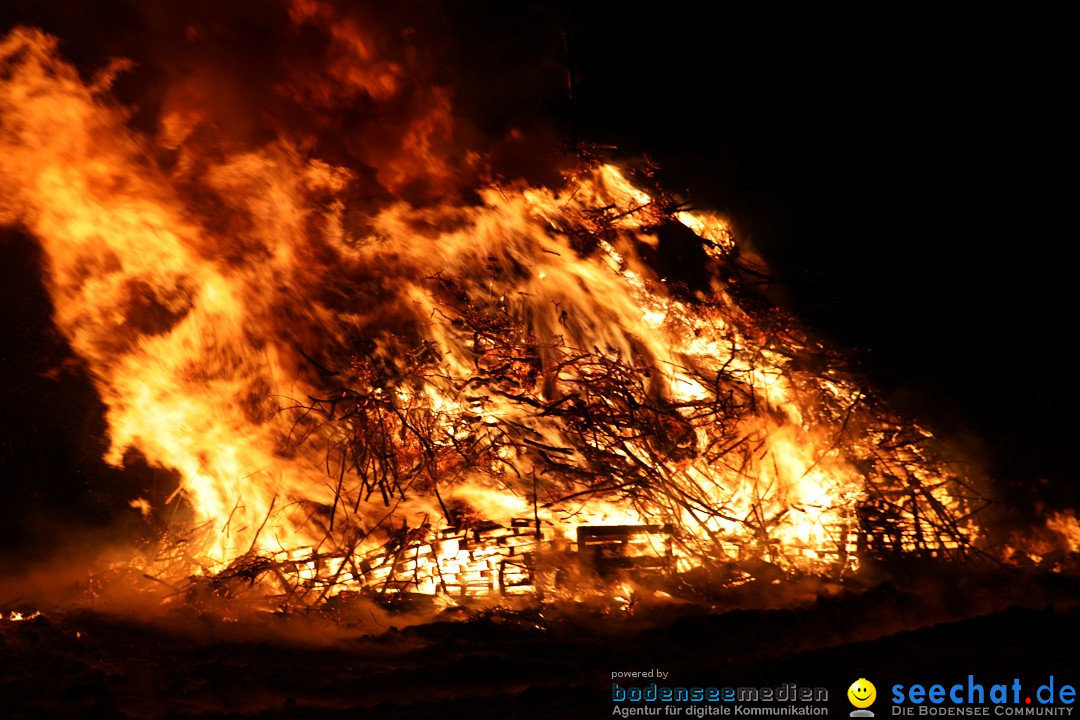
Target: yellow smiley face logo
862,693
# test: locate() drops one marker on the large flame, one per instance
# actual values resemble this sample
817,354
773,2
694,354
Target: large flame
248,321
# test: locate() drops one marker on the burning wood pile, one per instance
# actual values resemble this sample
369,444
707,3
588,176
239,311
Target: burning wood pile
486,393
706,414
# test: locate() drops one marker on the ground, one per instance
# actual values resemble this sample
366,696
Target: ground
540,662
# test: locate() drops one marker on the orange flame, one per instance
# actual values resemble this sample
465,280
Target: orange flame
206,293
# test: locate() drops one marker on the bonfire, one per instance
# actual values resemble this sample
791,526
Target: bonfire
511,388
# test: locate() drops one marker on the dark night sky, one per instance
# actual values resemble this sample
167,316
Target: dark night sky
904,177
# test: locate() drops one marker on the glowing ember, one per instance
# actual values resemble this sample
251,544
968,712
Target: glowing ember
434,396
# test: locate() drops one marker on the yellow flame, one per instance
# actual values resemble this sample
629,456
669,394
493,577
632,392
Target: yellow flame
199,293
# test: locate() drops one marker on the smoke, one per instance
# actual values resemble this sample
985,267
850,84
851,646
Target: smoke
418,98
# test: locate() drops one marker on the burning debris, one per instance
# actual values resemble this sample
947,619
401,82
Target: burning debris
468,395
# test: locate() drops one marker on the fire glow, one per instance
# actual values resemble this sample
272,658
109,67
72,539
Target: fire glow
432,396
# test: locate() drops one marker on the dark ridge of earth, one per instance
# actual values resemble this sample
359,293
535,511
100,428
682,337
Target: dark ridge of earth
556,665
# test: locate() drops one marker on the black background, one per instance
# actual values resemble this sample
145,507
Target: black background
906,176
